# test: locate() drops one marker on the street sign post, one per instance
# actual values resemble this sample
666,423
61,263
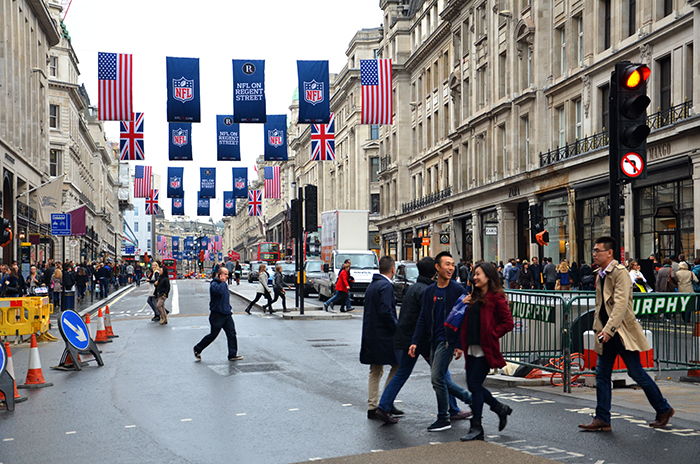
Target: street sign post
7,383
60,224
77,337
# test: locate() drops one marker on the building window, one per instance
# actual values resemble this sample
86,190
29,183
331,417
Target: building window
375,203
556,214
374,132
529,67
148,227
579,120
53,66
136,210
668,7
420,137
148,244
605,107
502,165
53,116
606,7
429,135
561,119
446,174
562,51
466,100
54,162
136,226
632,24
579,25
502,75
481,20
665,87
524,143
374,169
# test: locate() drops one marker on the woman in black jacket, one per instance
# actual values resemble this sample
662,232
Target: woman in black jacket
162,291
525,277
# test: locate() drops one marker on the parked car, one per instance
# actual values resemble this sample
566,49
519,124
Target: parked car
313,269
289,271
406,275
245,271
253,274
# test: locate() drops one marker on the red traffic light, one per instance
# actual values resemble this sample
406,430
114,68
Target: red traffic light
543,238
635,75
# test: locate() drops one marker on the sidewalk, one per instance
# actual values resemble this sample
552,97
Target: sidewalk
313,308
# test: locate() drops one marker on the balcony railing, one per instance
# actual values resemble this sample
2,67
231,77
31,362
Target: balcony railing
426,200
597,141
384,163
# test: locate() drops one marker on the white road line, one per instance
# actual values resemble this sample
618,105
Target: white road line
176,300
185,420
8,439
294,409
241,414
377,450
71,433
347,404
129,426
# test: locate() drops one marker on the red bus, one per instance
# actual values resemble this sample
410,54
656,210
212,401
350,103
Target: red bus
268,252
171,266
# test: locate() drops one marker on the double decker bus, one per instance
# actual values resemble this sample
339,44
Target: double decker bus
268,252
171,265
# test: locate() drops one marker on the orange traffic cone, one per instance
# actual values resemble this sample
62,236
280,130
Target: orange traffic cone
101,335
35,377
108,324
10,368
87,324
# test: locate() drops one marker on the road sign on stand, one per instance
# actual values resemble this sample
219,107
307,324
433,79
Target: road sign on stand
77,337
632,165
60,224
7,383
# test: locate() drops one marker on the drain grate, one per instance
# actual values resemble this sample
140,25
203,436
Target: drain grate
324,345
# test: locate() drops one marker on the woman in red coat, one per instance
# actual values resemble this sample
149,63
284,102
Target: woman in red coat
486,321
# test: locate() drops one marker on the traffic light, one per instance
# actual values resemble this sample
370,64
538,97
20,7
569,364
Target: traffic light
5,233
311,208
296,226
536,222
543,238
628,128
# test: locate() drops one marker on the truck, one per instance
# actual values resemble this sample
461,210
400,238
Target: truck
344,236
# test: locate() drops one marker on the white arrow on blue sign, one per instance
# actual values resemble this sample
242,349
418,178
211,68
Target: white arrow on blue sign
75,330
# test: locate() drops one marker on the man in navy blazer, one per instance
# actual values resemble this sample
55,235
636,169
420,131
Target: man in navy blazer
378,329
438,300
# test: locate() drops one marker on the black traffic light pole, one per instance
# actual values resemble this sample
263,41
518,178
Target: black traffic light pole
300,250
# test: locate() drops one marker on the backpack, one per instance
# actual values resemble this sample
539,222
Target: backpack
671,284
564,279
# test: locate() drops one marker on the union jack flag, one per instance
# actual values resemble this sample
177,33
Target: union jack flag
142,181
254,203
131,138
323,141
152,202
273,182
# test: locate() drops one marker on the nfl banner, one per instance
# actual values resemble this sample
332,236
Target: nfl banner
183,89
176,244
189,243
240,182
314,93
228,146
276,138
207,183
249,91
229,204
175,187
202,206
178,208
180,141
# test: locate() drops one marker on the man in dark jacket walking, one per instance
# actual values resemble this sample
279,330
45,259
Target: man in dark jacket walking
220,317
438,300
410,310
378,329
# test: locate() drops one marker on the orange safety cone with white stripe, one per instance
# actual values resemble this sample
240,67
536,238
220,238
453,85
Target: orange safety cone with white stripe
108,324
10,368
101,335
35,377
87,324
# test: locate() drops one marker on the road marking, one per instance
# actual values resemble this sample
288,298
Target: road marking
123,295
185,420
310,459
176,300
241,414
294,409
129,426
8,439
377,450
435,443
347,404
71,433
641,423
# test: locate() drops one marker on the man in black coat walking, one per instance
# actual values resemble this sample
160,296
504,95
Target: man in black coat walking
378,330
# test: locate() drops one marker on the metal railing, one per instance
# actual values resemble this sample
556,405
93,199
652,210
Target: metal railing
558,324
597,141
426,200
384,163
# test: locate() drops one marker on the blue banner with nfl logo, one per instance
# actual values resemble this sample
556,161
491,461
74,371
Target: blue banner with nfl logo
202,206
183,89
228,147
180,145
175,188
314,92
176,244
229,204
178,207
207,183
240,182
249,91
276,138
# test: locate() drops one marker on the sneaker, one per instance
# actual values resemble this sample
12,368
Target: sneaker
440,425
235,358
197,355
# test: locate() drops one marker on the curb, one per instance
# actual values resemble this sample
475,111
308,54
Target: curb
504,381
112,296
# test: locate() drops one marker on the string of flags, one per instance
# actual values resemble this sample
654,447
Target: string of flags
212,247
115,88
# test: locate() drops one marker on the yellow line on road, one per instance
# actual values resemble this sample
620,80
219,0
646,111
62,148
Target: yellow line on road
123,295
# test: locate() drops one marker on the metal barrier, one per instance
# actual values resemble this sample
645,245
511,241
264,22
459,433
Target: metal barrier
553,324
24,316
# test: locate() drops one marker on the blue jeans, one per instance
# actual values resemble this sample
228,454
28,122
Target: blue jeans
335,296
603,373
440,358
397,382
104,287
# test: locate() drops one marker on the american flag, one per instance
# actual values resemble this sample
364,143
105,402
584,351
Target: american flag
152,202
323,141
254,203
375,76
131,138
273,182
114,86
142,182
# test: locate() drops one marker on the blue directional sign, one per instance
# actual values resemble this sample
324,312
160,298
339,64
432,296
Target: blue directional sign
60,224
3,360
74,329
129,249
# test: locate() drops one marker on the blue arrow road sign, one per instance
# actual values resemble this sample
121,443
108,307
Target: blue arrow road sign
3,356
75,330
60,224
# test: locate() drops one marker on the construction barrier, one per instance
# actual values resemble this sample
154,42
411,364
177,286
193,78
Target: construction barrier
24,316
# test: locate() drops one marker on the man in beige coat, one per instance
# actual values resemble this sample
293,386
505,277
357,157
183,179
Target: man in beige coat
618,333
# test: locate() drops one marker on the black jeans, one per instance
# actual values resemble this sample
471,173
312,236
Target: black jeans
152,303
220,321
257,297
281,295
477,369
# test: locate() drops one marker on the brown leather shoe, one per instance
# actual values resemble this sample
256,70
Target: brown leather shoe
596,426
386,417
662,419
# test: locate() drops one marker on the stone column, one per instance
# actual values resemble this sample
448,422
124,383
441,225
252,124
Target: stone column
477,233
507,231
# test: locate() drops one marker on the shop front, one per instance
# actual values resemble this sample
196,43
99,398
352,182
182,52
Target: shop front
467,238
423,242
408,246
390,244
555,213
489,234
